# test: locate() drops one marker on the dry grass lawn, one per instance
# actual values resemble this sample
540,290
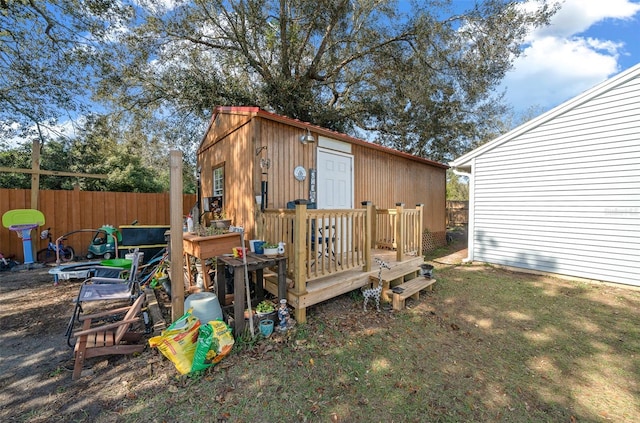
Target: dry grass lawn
486,345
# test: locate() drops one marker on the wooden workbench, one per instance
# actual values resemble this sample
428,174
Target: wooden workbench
206,247
257,263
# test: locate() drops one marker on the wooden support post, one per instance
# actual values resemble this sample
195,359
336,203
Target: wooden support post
299,255
420,208
35,173
35,185
175,217
400,225
368,235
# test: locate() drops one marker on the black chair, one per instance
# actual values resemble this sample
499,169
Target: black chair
322,239
291,205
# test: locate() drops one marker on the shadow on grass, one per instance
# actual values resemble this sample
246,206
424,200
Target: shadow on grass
486,345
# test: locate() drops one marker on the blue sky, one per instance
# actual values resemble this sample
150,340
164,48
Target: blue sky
587,42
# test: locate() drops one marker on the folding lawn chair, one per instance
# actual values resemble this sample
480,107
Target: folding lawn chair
101,288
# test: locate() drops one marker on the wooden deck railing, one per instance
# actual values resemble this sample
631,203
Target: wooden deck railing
332,241
399,229
329,241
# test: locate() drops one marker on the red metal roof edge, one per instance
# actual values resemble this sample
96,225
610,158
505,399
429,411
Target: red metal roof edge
320,130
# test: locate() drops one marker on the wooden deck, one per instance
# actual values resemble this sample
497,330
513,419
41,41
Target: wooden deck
319,290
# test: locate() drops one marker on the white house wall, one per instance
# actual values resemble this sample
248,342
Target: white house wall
564,197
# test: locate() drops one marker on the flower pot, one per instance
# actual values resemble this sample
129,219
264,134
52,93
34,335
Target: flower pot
253,243
426,270
221,223
266,327
271,252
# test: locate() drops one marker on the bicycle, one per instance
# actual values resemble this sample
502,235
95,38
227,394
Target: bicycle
7,263
50,254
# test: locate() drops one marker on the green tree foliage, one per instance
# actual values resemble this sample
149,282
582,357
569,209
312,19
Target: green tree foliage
19,157
457,187
131,161
416,78
47,60
412,76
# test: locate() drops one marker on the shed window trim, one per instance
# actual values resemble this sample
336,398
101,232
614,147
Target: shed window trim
218,181
217,190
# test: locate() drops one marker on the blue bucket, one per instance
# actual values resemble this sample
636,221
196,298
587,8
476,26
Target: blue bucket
258,246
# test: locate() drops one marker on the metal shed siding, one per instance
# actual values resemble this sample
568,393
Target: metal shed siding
385,180
564,197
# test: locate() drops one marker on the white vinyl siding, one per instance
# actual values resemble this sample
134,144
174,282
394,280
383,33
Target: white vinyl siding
564,196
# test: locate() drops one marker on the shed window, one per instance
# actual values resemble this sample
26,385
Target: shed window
218,189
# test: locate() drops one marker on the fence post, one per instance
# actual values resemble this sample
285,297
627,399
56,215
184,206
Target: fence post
368,234
420,208
175,219
299,253
400,225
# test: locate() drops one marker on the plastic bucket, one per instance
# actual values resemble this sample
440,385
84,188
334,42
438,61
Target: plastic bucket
205,306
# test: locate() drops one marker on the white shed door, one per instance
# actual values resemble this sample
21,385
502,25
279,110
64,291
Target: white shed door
335,180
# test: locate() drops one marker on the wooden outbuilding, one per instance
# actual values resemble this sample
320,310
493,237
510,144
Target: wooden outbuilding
249,155
253,165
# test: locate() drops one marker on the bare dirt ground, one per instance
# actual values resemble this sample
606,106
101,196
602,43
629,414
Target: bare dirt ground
35,369
36,362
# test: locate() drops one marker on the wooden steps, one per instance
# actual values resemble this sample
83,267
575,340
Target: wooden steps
393,277
322,289
410,288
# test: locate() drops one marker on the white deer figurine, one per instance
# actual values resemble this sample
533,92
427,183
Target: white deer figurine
370,293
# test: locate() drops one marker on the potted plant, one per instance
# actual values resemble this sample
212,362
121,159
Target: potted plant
265,307
270,249
209,230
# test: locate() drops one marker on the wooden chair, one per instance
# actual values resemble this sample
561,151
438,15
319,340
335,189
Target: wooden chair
109,338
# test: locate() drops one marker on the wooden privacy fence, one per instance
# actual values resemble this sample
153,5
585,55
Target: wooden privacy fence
457,213
67,211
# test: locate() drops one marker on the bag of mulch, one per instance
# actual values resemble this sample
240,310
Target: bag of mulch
215,342
205,339
179,341
222,341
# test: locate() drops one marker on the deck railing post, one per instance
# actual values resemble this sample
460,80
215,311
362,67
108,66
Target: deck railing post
299,255
368,234
400,225
420,208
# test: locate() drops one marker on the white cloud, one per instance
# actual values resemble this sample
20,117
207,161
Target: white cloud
576,16
560,61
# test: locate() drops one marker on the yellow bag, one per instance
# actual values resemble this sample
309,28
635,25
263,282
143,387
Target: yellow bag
179,341
223,338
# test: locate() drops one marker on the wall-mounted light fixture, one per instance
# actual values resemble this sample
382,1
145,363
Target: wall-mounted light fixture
307,138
